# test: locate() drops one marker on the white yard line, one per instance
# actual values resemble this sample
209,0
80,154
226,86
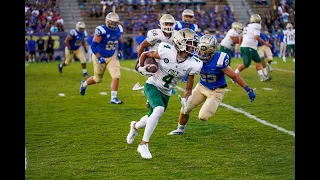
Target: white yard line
246,114
283,70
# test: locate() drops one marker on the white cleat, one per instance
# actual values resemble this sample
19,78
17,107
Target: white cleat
265,78
132,134
177,132
284,59
143,149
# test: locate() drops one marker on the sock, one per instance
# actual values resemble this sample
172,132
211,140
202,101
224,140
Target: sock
260,72
237,71
114,94
265,72
84,84
142,123
84,71
152,122
181,127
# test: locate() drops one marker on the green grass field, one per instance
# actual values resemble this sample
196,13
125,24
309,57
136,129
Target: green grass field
84,137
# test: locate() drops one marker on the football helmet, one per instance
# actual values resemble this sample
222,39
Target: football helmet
255,18
166,23
187,12
185,39
206,47
237,26
289,26
112,21
80,27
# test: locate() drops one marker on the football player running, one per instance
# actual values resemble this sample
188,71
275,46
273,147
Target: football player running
156,36
187,22
73,42
232,37
105,41
289,39
211,87
249,43
175,62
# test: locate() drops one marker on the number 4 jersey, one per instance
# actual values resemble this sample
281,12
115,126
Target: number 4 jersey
170,71
109,41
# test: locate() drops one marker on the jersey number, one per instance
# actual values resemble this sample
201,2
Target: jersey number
167,46
111,45
167,79
210,78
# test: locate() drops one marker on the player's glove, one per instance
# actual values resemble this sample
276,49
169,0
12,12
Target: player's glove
101,60
119,55
85,50
250,93
143,70
183,102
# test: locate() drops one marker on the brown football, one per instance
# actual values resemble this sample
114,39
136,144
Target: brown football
153,65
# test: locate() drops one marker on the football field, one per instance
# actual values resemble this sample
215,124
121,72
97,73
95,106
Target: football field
69,136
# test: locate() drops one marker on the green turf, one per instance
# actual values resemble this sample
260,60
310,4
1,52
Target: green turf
84,137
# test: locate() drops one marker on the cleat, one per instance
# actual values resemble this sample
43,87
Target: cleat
270,68
60,69
86,75
177,132
115,101
143,149
265,78
82,89
133,133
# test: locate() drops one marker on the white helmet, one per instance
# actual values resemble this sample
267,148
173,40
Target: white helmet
167,22
183,36
80,27
289,26
112,21
206,47
237,26
255,18
187,12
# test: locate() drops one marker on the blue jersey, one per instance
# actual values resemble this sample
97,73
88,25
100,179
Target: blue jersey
264,37
77,39
281,37
180,25
109,41
89,40
211,75
32,45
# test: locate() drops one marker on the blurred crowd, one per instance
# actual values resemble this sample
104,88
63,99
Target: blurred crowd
43,16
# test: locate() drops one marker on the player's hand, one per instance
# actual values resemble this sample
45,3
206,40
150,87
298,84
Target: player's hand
120,55
143,70
183,102
269,45
101,60
251,95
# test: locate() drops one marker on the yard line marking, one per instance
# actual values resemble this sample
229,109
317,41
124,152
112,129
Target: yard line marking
268,89
283,70
25,155
103,93
62,94
250,116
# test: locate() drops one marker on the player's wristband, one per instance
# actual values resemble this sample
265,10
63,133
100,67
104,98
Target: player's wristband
247,89
94,48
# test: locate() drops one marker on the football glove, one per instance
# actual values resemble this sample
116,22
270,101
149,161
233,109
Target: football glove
119,55
101,60
183,102
143,70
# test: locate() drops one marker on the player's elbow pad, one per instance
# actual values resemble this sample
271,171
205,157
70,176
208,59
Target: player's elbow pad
120,46
94,47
